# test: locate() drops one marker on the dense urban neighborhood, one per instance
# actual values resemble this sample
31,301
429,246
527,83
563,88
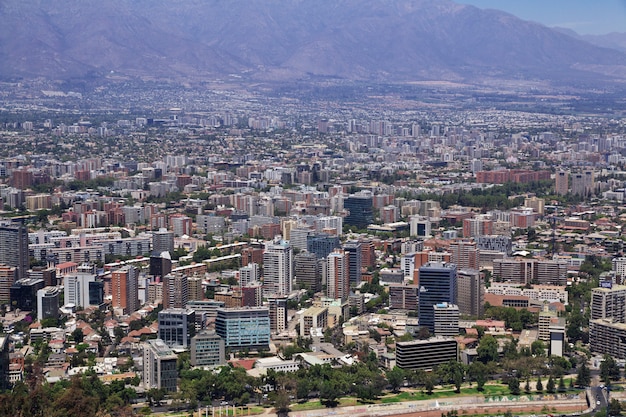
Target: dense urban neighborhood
266,257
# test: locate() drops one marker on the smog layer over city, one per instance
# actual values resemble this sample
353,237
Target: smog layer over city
309,208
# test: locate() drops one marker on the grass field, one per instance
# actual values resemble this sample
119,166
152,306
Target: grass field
488,391
444,392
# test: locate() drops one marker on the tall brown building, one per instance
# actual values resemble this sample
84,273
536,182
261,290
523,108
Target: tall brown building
368,254
175,291
464,254
470,292
22,178
196,292
250,255
561,182
125,288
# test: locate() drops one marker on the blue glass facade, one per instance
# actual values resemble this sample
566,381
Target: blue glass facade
244,327
437,284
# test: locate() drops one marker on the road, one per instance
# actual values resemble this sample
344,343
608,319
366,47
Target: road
599,398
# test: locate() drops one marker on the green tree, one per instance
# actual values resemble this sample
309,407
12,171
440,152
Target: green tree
478,372
452,371
155,395
550,386
561,387
78,336
282,403
583,377
538,348
513,384
575,327
395,377
609,370
509,351
183,361
539,386
487,349
614,408
328,393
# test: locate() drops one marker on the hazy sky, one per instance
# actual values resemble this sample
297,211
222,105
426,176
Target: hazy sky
583,16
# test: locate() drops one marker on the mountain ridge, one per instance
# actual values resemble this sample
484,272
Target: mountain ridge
375,40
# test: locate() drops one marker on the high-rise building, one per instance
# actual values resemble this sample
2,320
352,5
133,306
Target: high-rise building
546,319
368,254
207,349
244,328
195,288
125,289
322,244
403,297
355,255
308,271
419,226
159,366
470,292
360,211
163,241
249,274
608,337
561,180
175,291
446,320
14,246
583,183
299,237
160,264
278,268
24,293
426,354
83,289
181,225
337,275
252,255
609,303
278,314
154,292
438,284
328,223
619,267
210,224
48,303
529,271
477,226
177,326
48,274
607,326
464,254
407,264
313,318
8,275
252,295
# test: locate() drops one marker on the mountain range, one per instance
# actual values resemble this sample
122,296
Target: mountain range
273,40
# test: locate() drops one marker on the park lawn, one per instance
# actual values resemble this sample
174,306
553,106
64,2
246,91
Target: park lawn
317,404
445,392
309,405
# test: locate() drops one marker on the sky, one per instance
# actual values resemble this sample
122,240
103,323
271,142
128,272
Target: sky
586,17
